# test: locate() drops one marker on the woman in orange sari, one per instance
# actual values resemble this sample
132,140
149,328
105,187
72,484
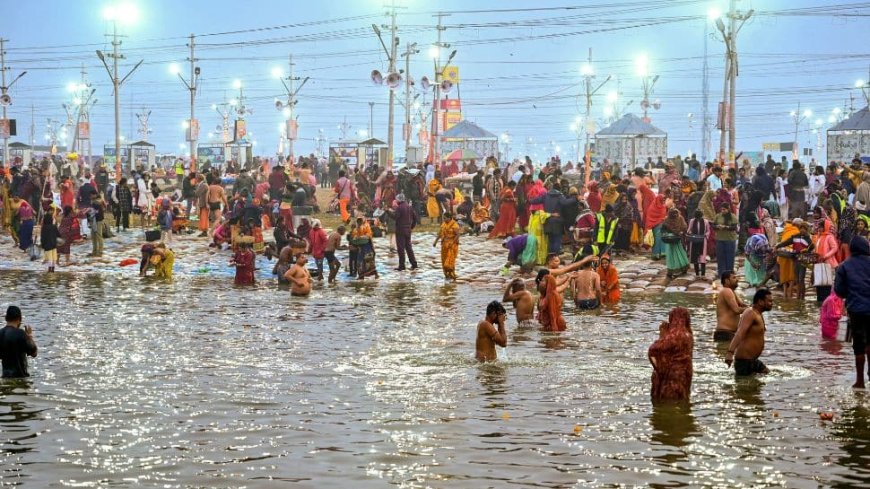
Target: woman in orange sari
609,281
671,358
449,237
550,303
507,216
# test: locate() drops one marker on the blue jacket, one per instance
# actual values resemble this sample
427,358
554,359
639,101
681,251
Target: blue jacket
852,281
553,201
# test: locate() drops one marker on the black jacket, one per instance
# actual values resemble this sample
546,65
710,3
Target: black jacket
852,281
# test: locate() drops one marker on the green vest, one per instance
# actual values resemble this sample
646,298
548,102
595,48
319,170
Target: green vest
605,236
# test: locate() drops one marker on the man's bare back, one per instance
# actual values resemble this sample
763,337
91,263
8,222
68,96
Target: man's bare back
522,299
587,285
728,310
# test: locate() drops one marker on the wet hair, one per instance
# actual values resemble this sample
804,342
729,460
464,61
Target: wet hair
341,173
541,274
699,214
494,307
760,295
725,275
13,313
341,229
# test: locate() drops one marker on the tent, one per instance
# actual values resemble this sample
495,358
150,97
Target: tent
468,135
630,141
850,137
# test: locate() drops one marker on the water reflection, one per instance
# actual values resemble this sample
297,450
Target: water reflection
852,428
673,424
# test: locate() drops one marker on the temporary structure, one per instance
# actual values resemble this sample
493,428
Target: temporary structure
630,141
468,135
850,137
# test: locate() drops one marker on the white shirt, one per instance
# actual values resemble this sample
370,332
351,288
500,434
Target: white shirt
714,182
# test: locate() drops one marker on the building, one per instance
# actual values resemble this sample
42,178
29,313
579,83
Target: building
850,137
630,141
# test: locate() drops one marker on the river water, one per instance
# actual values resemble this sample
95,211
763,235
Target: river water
196,383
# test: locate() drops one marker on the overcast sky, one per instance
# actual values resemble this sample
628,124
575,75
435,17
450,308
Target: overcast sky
519,64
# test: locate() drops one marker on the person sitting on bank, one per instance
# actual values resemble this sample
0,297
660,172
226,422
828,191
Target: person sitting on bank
16,345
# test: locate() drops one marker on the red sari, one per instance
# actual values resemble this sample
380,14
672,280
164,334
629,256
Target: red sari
244,260
671,358
507,217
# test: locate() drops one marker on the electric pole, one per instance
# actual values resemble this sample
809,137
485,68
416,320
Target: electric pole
291,127
192,86
439,71
116,84
589,75
705,98
736,19
143,117
371,119
5,100
406,128
394,44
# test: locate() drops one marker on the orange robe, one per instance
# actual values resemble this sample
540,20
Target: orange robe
507,217
449,236
609,279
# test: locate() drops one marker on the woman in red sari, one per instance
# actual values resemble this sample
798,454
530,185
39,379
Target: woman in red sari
243,259
507,217
671,358
550,304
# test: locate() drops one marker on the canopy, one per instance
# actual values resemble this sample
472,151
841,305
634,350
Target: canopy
859,121
468,130
630,125
372,142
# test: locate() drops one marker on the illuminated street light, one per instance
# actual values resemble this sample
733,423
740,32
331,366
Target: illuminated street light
277,72
714,13
174,69
808,113
237,84
612,96
818,122
859,84
124,13
831,119
642,64
185,124
434,52
586,70
286,112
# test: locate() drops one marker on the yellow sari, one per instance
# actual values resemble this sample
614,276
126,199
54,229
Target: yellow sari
449,236
536,229
432,207
164,269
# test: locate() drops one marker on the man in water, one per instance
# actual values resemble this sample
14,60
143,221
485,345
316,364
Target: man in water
729,307
487,335
299,278
333,243
748,342
15,345
524,303
586,288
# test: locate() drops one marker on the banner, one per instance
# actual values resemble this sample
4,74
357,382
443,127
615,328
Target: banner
292,129
215,153
451,73
5,130
451,104
241,129
192,130
778,147
84,129
450,120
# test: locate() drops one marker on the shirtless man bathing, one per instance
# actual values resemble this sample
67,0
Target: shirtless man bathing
299,278
748,343
487,334
586,288
729,307
523,301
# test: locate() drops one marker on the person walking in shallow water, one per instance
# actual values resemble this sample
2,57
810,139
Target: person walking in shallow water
748,342
16,345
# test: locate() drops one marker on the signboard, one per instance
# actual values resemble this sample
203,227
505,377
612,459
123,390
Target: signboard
215,153
451,73
292,129
192,130
7,128
453,104
84,130
348,154
845,146
241,129
109,153
451,119
778,147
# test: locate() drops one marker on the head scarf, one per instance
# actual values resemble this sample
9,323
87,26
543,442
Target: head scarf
846,228
656,212
675,222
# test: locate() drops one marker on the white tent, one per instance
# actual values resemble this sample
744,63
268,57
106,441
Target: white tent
630,141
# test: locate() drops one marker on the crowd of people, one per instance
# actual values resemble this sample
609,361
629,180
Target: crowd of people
781,220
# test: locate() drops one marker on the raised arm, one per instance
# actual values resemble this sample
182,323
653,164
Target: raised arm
573,267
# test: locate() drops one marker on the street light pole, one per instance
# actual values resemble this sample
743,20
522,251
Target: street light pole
4,88
406,128
588,75
194,125
371,119
116,84
394,43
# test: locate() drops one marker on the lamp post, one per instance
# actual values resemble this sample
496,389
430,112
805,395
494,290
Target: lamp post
729,89
192,85
126,13
287,107
588,75
6,100
798,117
